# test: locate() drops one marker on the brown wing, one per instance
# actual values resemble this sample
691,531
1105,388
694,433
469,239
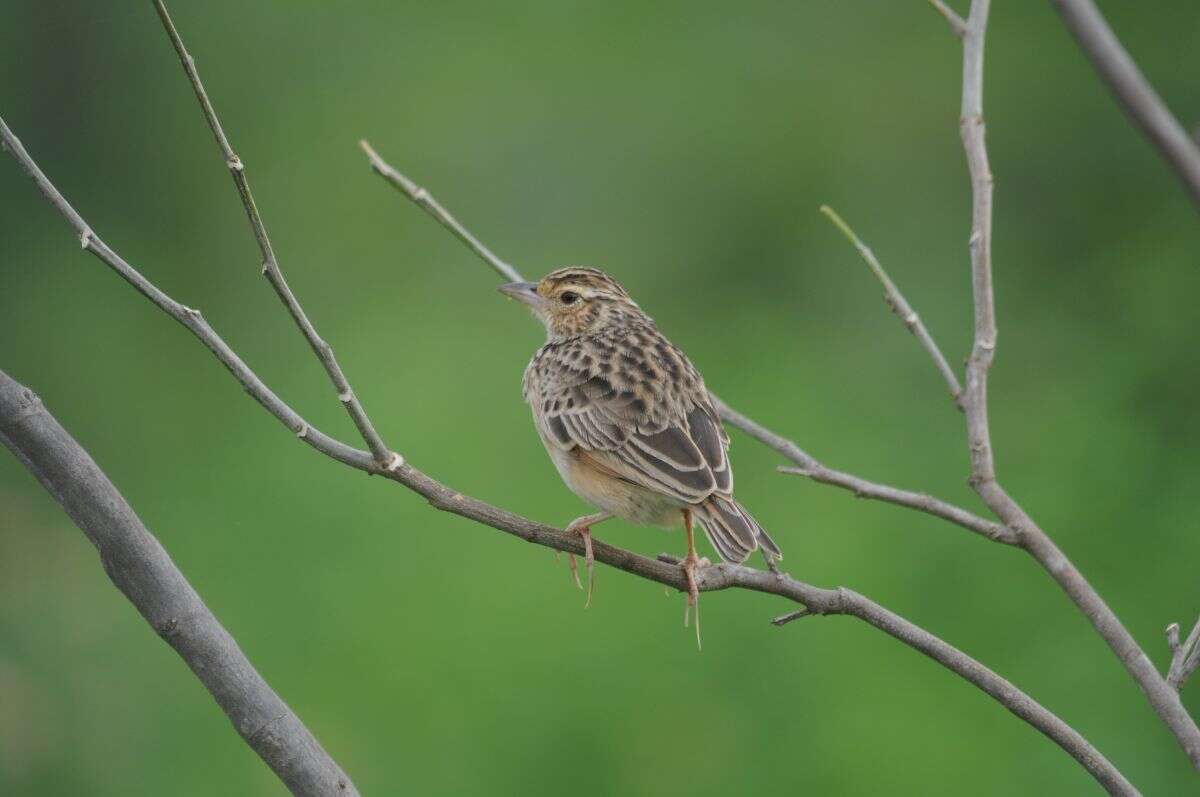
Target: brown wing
638,406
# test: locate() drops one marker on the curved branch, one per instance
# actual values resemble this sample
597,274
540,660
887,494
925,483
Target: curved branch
143,571
1164,699
719,577
1134,93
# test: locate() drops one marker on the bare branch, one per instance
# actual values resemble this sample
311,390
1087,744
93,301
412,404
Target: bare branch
187,316
718,577
809,466
426,202
143,571
270,266
1184,658
784,619
1033,539
899,304
1136,96
957,25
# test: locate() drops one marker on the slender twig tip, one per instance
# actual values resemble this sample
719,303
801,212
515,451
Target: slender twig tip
957,24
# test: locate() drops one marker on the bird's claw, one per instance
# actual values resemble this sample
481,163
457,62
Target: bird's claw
690,564
589,560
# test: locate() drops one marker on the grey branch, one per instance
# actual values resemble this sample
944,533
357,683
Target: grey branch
1033,539
140,567
957,24
899,304
1134,93
1184,658
725,576
426,202
270,266
811,468
808,465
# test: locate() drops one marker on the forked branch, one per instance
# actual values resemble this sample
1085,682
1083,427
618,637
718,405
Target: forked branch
270,265
719,577
807,465
1033,539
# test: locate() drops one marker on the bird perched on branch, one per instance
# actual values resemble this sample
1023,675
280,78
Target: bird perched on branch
628,422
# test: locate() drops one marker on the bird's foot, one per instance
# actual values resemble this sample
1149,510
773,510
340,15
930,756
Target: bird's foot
583,527
690,564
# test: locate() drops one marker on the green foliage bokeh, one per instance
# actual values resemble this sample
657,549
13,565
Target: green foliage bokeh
685,147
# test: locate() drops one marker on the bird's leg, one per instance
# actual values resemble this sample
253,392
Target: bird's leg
583,527
689,564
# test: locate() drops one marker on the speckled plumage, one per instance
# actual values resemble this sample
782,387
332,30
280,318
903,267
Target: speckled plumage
625,416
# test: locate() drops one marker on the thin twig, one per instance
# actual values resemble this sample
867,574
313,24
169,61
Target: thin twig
426,202
899,304
140,567
809,466
1136,96
956,22
270,266
1184,658
784,619
718,577
1033,539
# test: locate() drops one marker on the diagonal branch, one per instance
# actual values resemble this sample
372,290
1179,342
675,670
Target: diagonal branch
426,202
899,304
270,266
1033,539
719,577
957,24
140,567
1136,96
808,465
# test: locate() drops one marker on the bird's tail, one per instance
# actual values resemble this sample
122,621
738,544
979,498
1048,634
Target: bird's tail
733,531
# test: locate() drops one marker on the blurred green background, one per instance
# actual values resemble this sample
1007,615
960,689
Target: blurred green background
685,147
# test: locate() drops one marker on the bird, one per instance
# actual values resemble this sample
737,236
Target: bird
628,422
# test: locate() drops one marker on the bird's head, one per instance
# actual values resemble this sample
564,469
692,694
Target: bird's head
575,301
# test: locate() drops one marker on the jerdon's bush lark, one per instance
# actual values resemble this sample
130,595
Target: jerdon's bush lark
627,420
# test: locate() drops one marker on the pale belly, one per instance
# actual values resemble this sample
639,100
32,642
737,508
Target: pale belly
615,496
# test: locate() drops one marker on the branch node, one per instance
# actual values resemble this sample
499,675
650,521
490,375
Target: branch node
396,463
302,432
1173,637
235,164
784,619
85,238
346,396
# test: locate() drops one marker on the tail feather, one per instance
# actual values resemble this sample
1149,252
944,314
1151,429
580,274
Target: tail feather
733,532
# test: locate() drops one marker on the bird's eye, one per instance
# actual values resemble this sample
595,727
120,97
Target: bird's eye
569,297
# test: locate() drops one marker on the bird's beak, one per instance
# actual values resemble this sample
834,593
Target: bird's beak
524,292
